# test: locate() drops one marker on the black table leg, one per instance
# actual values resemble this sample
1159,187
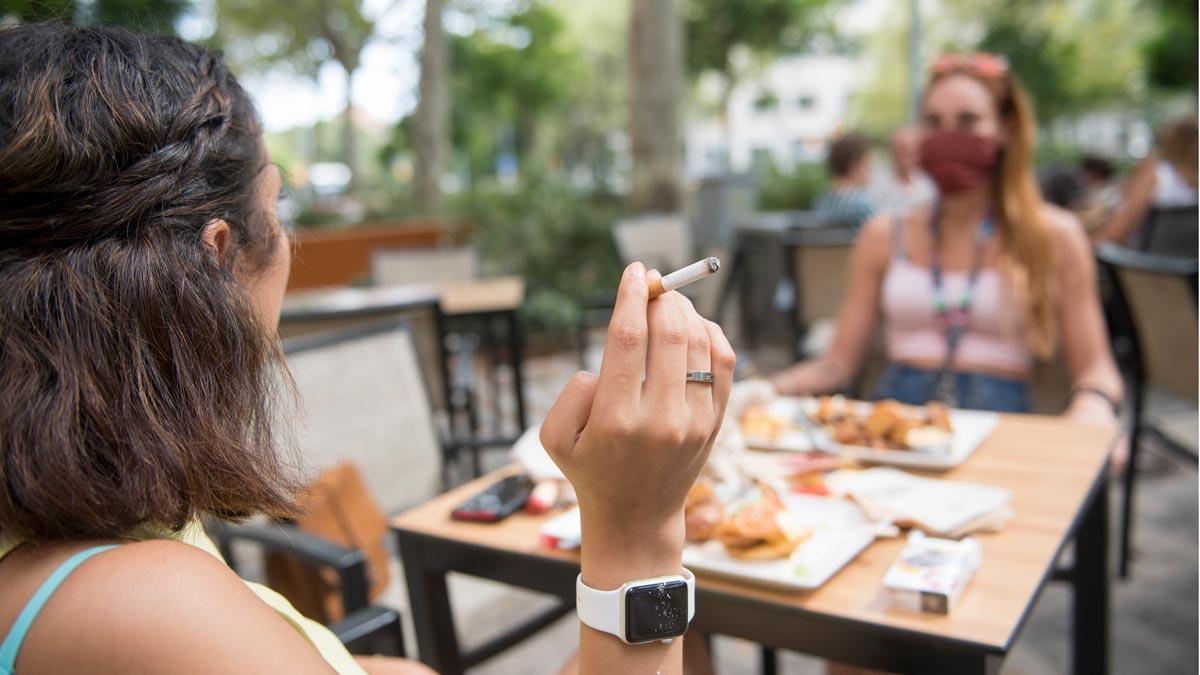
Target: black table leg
429,602
516,341
1090,649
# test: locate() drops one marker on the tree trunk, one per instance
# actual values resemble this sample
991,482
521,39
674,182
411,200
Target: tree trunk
349,144
728,84
431,120
655,93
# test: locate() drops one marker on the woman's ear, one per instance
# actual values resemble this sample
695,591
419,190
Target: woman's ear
216,236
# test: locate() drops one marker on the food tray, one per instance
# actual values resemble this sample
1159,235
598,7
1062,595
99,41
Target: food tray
971,428
840,532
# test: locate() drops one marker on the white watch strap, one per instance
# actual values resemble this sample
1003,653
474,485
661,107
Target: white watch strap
603,610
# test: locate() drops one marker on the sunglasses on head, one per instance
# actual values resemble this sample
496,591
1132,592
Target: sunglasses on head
980,63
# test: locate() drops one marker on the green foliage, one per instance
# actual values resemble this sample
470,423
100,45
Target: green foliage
298,33
1171,52
715,27
533,84
147,16
795,190
505,79
558,238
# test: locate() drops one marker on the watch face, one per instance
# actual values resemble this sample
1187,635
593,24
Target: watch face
656,611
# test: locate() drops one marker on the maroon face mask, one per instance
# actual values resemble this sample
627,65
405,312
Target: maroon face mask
957,160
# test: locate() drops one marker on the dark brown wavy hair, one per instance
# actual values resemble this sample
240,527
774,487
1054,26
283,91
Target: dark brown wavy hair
135,379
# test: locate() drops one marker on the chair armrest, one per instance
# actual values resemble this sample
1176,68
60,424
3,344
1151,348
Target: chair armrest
350,564
371,630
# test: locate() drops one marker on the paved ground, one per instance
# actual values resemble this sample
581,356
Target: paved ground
1155,612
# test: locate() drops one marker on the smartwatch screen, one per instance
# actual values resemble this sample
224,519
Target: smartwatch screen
656,611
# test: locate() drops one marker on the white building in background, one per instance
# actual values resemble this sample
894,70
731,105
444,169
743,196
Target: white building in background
787,113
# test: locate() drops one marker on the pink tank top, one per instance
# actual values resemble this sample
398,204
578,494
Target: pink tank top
995,338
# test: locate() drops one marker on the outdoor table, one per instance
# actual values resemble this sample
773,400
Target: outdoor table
1057,472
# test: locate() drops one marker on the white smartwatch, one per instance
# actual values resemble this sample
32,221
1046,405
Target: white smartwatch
646,610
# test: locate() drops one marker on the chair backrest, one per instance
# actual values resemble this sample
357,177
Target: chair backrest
398,266
1156,295
363,398
661,241
821,258
1171,231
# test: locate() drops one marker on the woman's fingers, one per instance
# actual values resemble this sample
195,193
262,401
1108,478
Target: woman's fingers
723,361
624,360
699,358
667,359
569,415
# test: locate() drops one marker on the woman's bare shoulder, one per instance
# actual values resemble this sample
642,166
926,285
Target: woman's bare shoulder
152,605
874,239
1068,237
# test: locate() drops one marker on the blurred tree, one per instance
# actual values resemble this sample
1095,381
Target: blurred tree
717,29
1074,56
656,82
431,121
530,96
148,16
1171,51
511,78
301,33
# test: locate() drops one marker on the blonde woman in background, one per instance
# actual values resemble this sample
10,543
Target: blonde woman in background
975,287
1165,179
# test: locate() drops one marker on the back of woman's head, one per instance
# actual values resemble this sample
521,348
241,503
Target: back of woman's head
136,376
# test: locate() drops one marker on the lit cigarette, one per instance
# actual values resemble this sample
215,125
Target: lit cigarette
682,277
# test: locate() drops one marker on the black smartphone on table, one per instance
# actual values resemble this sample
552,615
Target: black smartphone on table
497,501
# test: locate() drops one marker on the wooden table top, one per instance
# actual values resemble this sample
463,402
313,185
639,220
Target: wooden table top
486,295
1050,466
469,297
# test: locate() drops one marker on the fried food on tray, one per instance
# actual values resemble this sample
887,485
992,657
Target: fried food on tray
884,416
759,529
758,422
847,432
938,415
702,512
829,409
886,425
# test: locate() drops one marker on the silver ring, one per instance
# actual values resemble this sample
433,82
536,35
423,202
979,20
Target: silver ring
702,376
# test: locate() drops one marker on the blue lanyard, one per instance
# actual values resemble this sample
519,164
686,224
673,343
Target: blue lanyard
954,319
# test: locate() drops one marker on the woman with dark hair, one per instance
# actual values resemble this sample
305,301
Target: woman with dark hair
847,201
142,269
976,286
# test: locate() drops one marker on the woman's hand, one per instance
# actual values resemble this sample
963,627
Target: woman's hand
632,447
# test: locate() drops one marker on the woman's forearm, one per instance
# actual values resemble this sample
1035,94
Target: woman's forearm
816,376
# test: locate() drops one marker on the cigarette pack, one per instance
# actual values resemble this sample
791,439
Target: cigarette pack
931,573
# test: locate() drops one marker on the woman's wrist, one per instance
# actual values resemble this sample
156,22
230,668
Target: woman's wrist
617,550
1091,409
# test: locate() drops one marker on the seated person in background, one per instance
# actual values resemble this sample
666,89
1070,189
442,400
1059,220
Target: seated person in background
902,185
1165,179
142,270
1101,194
846,202
975,287
1085,189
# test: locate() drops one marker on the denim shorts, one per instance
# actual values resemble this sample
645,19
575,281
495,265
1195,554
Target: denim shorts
973,391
